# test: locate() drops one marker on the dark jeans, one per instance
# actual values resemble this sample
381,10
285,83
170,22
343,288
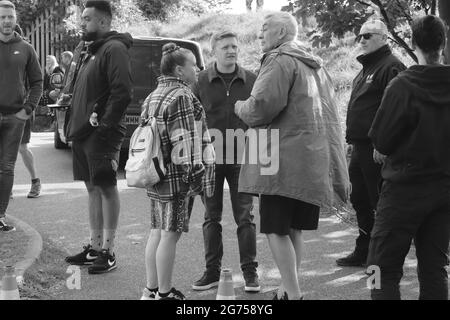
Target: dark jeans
419,211
365,176
11,130
242,205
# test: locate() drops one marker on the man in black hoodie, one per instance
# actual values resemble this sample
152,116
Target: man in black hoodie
379,67
412,129
100,98
18,64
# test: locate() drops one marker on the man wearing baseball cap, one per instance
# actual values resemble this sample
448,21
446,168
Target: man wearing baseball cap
380,66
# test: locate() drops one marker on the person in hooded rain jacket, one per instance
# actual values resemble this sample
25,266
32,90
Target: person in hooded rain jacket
295,157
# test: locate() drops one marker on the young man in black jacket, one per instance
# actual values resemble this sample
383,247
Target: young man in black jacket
380,66
412,129
218,88
100,98
18,64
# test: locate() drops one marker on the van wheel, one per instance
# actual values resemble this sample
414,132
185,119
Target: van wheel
57,140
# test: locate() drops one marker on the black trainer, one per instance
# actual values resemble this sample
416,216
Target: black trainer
207,281
4,227
174,294
87,257
251,282
104,263
285,297
352,260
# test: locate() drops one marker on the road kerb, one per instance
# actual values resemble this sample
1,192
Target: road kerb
34,247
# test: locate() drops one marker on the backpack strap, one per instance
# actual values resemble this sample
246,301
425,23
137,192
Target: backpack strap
159,105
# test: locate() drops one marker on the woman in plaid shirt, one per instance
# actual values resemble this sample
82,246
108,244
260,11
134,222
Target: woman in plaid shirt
189,159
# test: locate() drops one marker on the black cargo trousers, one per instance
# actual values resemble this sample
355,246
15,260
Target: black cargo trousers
365,177
419,211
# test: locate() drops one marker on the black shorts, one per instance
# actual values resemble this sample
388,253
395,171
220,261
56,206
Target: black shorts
26,132
96,159
280,214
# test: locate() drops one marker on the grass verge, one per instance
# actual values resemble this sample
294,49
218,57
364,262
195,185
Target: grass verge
46,278
12,248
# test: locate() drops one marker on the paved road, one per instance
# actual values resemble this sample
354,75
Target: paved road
61,215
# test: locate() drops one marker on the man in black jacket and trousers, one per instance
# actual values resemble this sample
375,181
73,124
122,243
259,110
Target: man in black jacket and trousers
380,66
218,88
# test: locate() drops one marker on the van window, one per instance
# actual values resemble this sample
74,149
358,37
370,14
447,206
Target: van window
146,66
141,66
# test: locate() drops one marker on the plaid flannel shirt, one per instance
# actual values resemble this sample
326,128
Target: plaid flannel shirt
185,141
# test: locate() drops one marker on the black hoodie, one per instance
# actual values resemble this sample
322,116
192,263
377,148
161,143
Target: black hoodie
18,65
103,85
412,126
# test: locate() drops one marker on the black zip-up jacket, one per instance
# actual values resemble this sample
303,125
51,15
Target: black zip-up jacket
412,126
19,70
218,100
103,85
379,68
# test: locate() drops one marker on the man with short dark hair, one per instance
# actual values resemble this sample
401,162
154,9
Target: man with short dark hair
380,66
412,128
19,65
219,87
101,95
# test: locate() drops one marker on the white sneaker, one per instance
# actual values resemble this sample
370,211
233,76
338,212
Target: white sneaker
148,295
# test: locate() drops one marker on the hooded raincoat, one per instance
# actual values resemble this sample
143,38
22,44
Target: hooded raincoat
294,97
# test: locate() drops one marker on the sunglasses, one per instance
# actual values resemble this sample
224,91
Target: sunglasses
366,36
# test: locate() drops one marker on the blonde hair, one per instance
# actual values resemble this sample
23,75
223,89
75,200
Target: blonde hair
221,35
50,67
67,54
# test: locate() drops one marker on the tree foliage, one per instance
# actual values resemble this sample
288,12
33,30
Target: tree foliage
163,9
337,17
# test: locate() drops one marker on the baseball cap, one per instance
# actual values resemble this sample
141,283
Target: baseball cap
5,3
374,26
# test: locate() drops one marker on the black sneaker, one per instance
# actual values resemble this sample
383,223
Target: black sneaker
173,295
87,257
207,281
352,260
4,227
252,282
285,297
104,263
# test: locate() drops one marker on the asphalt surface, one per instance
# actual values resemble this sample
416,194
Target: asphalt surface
61,215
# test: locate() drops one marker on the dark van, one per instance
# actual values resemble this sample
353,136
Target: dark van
145,69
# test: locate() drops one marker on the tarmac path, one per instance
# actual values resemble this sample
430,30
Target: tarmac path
61,215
